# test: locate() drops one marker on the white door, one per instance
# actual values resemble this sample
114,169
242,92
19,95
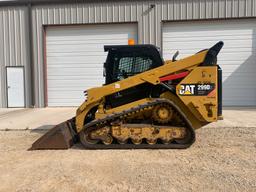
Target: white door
15,87
237,58
75,57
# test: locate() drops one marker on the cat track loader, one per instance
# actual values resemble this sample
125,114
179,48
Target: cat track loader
145,102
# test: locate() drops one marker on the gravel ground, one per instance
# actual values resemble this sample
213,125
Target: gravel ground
222,159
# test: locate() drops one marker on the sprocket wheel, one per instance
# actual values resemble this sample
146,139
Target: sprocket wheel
162,113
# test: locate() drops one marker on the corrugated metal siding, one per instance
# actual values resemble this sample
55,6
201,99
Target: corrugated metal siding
13,46
207,9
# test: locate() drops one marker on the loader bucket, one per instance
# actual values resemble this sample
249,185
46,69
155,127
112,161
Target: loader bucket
62,136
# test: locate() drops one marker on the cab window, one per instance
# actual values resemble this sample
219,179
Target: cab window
131,65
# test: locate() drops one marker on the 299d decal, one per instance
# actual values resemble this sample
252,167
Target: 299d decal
196,89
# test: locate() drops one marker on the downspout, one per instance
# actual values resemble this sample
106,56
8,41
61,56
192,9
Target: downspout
31,54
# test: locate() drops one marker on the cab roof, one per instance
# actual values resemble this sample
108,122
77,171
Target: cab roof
130,47
147,49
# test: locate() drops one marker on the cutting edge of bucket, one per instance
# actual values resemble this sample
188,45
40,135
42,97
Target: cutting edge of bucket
61,136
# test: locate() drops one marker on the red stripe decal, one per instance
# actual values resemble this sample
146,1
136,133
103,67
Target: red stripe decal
174,76
212,93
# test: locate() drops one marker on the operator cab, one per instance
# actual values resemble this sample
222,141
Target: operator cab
124,61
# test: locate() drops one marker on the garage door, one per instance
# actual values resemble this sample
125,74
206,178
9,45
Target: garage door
237,58
75,58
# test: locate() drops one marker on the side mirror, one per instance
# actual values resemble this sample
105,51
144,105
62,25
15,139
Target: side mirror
175,56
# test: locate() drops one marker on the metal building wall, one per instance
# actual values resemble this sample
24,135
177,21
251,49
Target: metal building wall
207,9
14,47
149,20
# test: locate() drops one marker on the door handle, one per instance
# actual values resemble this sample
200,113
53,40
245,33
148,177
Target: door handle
8,87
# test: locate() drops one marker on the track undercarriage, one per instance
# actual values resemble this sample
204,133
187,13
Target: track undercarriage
155,124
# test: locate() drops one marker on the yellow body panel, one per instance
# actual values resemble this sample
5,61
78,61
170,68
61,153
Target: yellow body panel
204,106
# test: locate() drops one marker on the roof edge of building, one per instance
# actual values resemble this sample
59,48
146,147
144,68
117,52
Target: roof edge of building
32,2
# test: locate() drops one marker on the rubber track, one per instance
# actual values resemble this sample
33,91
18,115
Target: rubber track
92,126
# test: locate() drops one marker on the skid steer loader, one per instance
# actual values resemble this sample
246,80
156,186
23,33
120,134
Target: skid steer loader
145,102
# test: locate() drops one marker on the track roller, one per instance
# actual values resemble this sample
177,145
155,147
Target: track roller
137,141
151,141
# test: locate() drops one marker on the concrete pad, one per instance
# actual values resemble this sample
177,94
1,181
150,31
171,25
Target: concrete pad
237,117
46,118
34,118
5,111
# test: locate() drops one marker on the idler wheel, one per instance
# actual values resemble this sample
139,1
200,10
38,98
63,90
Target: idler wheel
85,139
185,139
108,140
